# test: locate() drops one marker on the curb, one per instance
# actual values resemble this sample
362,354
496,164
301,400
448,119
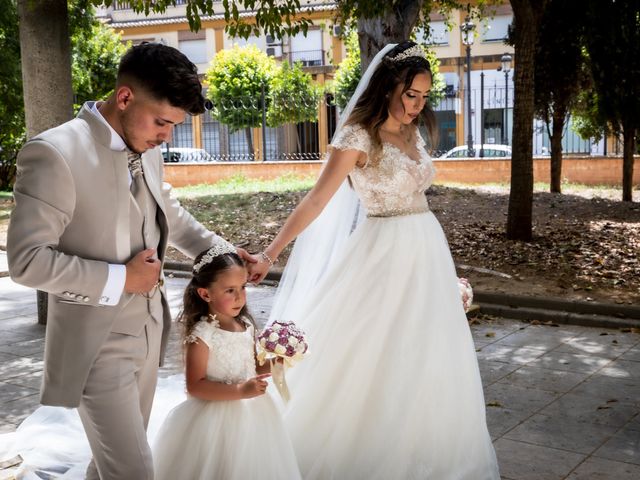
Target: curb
517,307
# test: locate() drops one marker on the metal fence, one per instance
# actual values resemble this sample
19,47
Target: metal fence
302,141
230,142
491,111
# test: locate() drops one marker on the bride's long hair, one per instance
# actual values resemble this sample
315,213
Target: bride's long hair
372,108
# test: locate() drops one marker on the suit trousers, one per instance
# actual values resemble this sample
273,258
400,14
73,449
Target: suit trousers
116,404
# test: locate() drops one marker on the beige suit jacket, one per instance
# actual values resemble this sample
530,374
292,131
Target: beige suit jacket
71,219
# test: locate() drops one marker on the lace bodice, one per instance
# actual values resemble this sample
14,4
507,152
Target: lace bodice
394,186
231,354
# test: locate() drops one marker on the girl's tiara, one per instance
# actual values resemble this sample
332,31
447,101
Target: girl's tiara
221,248
415,51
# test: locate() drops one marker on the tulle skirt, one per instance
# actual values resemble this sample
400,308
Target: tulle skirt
230,440
191,439
391,386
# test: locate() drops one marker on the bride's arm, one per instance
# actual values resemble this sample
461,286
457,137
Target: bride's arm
340,163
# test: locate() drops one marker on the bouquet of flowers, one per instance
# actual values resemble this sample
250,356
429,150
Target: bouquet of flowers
285,341
466,293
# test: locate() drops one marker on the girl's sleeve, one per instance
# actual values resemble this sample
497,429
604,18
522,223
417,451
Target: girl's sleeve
202,331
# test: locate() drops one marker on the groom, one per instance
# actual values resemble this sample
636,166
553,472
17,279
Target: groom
93,233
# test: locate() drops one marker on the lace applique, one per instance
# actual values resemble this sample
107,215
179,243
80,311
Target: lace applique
352,137
396,185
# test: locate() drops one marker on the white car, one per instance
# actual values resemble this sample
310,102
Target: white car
183,154
490,151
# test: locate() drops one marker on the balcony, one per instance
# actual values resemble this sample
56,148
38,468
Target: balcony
308,58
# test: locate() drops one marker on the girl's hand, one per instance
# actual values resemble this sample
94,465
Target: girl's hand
255,386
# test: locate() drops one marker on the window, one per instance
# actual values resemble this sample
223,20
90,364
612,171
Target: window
195,50
439,34
496,30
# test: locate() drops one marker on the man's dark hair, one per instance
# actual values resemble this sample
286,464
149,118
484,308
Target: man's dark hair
165,73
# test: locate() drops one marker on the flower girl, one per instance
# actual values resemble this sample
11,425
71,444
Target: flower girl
227,428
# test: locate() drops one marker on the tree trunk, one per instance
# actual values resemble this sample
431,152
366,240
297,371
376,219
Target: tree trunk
526,19
248,132
395,26
559,116
627,163
45,49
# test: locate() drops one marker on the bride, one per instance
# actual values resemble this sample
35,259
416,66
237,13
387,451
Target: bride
391,388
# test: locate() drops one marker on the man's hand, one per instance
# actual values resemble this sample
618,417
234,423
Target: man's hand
143,271
258,270
246,256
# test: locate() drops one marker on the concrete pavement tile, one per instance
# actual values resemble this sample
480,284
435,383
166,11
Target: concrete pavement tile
594,468
561,433
7,428
493,332
501,420
491,371
610,388
509,354
587,347
538,337
17,410
8,287
24,348
633,355
570,362
528,400
523,461
609,335
544,379
584,408
624,446
30,380
12,308
10,392
9,337
16,366
622,369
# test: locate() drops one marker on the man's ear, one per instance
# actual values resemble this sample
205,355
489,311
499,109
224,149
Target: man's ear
124,96
204,294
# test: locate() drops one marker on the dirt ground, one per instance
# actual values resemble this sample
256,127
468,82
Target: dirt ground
586,242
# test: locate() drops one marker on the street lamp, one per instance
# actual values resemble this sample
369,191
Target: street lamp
506,68
467,30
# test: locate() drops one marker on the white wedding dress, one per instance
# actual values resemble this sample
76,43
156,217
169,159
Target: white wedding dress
390,388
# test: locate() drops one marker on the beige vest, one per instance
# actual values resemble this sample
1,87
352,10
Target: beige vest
144,233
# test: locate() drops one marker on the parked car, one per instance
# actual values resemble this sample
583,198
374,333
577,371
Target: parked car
183,154
490,151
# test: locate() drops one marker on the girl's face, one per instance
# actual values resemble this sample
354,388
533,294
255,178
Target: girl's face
404,107
226,296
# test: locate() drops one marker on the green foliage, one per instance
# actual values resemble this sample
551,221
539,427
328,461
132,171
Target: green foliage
293,96
96,52
274,18
237,79
12,129
559,72
613,46
349,73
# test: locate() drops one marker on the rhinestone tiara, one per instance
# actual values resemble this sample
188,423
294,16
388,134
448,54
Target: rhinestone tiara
415,51
218,249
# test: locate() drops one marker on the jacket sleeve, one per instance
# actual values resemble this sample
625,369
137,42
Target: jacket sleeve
45,199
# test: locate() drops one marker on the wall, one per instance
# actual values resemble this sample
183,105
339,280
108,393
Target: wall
583,170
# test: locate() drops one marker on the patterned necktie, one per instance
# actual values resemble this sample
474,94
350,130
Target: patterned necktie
135,164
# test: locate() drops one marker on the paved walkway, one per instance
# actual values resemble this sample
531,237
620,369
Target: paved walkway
562,402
